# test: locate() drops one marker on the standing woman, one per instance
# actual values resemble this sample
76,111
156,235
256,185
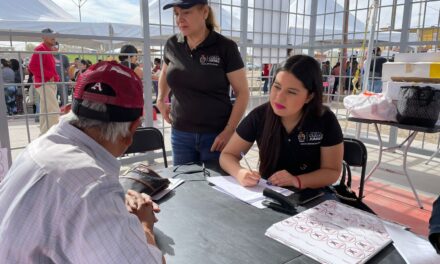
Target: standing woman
299,140
200,65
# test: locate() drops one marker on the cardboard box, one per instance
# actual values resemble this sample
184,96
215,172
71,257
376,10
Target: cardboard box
410,70
417,57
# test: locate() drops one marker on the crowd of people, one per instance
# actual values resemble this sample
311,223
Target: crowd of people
22,85
74,164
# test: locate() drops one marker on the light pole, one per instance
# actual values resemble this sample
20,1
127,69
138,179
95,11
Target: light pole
79,4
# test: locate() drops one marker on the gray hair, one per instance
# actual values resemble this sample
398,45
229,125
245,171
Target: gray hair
109,130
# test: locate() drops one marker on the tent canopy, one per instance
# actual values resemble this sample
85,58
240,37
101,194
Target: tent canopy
22,20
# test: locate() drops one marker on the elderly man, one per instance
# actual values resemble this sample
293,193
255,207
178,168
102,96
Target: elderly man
61,201
42,66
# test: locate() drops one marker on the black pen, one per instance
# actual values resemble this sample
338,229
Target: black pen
245,160
247,163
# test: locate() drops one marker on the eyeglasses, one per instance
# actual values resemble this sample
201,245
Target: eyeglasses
179,171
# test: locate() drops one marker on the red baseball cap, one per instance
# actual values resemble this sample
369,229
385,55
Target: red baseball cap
113,84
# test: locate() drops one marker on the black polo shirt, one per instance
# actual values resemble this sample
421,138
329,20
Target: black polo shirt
198,81
300,152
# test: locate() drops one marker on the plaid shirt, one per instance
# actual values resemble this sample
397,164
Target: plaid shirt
61,202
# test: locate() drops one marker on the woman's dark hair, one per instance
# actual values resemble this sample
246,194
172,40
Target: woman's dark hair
308,71
336,65
5,63
15,65
128,48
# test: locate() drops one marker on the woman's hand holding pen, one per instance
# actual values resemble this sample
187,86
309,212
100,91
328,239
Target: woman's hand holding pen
248,178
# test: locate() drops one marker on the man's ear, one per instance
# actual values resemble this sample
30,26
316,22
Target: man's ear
133,126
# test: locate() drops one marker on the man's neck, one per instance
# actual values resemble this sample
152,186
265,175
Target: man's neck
95,134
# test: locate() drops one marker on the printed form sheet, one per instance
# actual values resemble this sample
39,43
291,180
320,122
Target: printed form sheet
332,232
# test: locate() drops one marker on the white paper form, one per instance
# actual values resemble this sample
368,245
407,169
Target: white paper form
412,248
251,195
332,232
4,167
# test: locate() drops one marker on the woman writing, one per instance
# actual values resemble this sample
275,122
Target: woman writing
200,65
299,140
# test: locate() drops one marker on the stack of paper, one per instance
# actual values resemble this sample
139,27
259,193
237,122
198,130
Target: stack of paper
332,232
412,248
251,195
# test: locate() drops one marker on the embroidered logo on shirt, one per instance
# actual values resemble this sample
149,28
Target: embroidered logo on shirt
213,60
301,137
310,138
315,136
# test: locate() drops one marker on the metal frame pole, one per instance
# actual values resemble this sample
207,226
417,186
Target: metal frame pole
404,36
370,45
4,131
243,30
406,24
312,29
147,81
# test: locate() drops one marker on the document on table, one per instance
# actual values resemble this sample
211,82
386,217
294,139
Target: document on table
413,249
332,232
251,195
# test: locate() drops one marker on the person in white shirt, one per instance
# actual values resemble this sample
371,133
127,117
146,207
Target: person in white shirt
61,201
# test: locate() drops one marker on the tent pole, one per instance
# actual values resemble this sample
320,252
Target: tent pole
370,46
147,82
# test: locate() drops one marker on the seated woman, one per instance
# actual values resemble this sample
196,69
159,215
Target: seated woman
300,141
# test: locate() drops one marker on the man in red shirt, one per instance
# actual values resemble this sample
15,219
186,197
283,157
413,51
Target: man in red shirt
44,79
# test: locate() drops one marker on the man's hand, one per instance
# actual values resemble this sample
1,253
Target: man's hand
222,139
248,178
164,109
142,206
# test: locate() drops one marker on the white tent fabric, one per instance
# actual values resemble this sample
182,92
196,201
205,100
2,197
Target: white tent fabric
22,20
32,10
91,35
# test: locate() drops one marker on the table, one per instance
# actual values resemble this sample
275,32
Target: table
198,224
405,145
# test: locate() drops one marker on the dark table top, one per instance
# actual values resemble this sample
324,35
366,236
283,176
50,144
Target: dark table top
434,129
198,224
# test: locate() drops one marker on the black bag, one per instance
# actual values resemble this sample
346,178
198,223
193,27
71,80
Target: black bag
142,179
344,192
418,106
